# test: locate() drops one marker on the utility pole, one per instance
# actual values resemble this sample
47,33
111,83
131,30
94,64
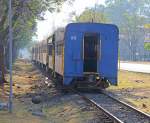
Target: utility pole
10,55
53,43
94,18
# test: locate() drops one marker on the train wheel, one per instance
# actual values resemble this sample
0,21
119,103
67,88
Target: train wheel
47,69
65,89
105,84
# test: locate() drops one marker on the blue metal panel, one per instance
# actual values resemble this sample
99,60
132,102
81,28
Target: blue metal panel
73,63
109,55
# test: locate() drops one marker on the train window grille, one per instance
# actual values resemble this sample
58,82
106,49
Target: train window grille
32,50
59,49
36,50
43,49
50,49
56,49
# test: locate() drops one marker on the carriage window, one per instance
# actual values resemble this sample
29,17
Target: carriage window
32,50
36,50
59,49
45,49
50,49
56,49
42,49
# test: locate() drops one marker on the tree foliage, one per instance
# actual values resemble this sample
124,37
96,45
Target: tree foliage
130,16
90,15
25,14
147,46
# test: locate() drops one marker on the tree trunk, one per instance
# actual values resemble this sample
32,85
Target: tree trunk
2,65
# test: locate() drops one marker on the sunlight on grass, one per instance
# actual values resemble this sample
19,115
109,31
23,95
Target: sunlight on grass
132,80
135,88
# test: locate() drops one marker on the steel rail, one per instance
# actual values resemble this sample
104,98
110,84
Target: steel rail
106,112
113,117
110,115
125,104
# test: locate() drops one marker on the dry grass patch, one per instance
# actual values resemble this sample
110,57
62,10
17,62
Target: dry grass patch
135,88
68,112
128,79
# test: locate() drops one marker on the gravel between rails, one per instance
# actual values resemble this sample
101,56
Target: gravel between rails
122,112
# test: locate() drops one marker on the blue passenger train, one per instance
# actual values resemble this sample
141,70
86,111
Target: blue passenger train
82,54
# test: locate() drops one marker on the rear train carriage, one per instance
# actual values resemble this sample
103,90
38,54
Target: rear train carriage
38,53
87,52
35,53
44,51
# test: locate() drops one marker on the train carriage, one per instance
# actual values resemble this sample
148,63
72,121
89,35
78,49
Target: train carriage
90,49
85,53
35,53
59,50
50,54
44,52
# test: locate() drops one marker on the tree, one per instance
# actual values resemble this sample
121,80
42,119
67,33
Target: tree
147,46
130,16
24,21
90,15
147,37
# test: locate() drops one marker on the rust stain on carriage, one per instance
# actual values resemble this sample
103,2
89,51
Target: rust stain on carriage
63,59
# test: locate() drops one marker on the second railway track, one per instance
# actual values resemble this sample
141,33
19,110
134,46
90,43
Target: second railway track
115,109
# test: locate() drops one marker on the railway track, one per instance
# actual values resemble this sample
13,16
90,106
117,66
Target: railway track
116,110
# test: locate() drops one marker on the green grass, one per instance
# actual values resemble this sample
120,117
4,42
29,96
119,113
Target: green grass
128,79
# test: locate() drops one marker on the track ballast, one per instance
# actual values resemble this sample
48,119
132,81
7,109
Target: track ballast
117,110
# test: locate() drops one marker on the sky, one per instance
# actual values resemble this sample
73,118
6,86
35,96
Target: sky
55,20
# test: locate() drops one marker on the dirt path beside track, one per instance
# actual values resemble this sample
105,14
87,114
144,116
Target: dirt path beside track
55,107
